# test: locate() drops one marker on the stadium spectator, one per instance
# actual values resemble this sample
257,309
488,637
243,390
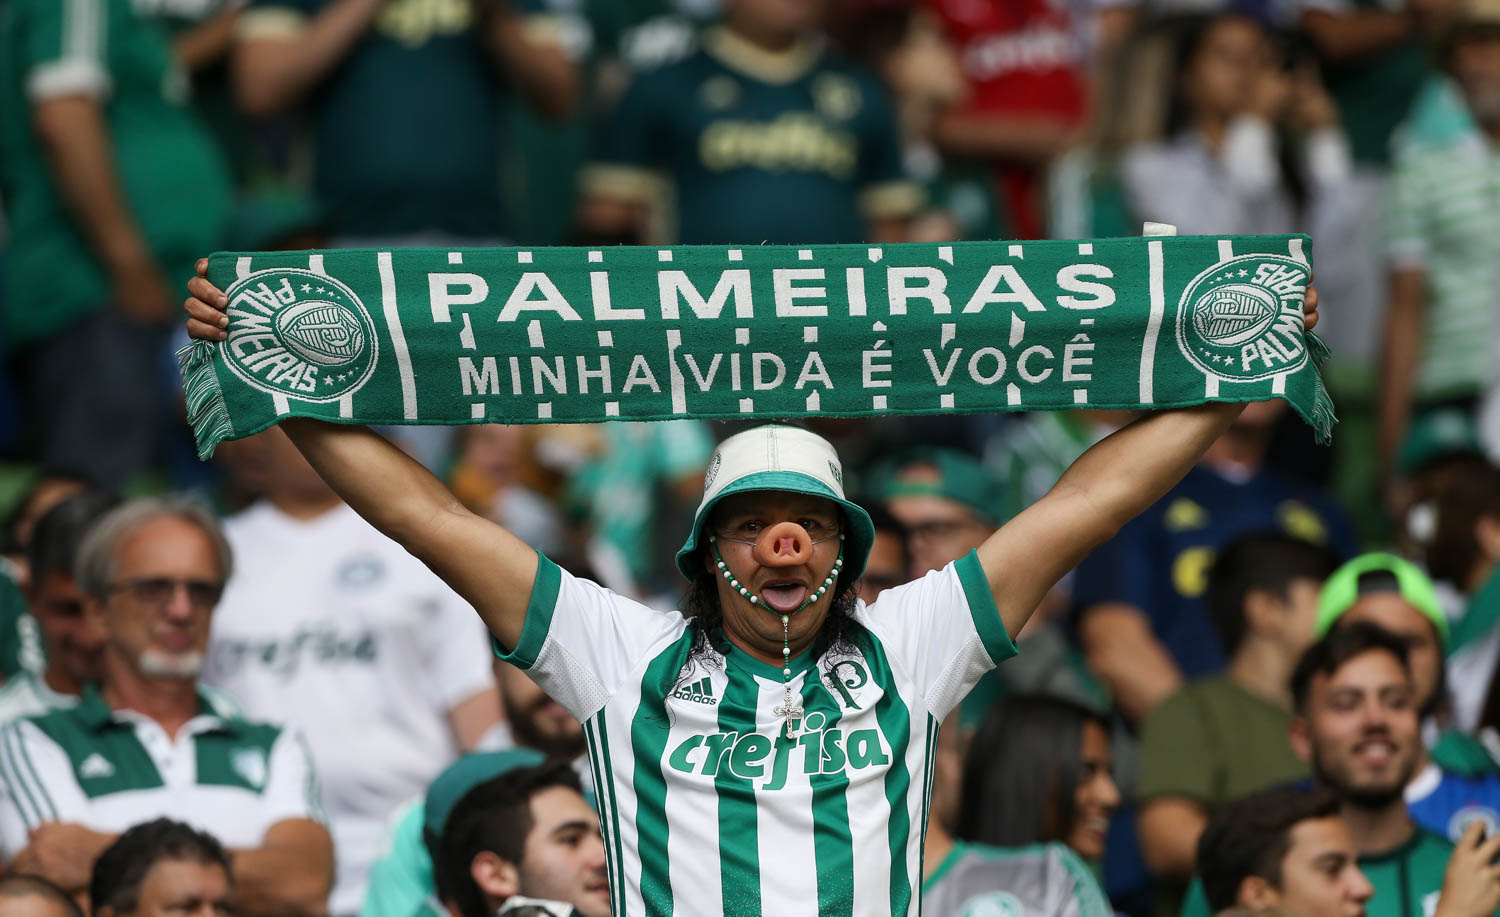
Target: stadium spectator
1218,170
110,184
1035,802
1285,848
947,501
383,81
1223,736
1027,99
401,881
1463,550
45,491
33,896
163,868
530,833
534,720
1357,725
1436,349
1138,599
1458,780
326,607
147,742
72,641
764,136
890,554
20,641
619,667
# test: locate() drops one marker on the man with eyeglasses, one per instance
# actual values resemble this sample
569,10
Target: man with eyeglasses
148,743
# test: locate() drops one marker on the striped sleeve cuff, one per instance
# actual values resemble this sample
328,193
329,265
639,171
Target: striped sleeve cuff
74,76
269,22
539,610
891,200
982,608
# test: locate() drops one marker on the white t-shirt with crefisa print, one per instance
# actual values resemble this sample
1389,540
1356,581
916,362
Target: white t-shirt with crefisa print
331,627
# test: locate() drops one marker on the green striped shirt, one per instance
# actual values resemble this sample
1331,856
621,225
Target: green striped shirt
706,805
1443,218
110,769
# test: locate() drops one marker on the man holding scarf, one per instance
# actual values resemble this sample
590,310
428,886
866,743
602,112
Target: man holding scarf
768,749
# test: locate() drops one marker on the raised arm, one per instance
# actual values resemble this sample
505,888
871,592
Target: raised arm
489,567
1103,489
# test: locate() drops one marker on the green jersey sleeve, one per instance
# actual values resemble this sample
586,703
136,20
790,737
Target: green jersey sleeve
61,44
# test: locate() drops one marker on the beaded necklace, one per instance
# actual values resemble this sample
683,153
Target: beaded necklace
792,712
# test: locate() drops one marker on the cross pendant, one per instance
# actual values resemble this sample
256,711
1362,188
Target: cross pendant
793,715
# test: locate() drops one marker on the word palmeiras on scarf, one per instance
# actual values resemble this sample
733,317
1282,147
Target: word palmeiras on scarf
516,335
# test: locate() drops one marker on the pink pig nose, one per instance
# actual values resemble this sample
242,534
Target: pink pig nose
785,544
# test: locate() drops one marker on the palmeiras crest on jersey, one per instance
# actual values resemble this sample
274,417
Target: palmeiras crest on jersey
1241,320
298,333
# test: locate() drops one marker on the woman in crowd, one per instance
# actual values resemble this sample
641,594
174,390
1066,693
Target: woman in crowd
1032,813
1223,165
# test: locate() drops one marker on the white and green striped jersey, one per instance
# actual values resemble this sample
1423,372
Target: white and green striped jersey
706,806
1039,880
25,694
110,769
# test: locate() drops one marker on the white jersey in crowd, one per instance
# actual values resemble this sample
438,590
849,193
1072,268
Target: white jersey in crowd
26,694
332,627
706,805
108,770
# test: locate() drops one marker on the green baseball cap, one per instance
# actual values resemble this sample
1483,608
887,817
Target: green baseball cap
1440,434
779,458
960,477
1344,587
466,773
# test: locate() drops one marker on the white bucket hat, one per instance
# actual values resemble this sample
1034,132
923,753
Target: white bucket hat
781,458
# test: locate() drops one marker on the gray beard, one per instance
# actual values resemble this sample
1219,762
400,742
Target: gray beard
156,664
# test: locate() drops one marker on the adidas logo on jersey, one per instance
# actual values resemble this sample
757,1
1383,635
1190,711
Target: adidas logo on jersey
96,766
699,692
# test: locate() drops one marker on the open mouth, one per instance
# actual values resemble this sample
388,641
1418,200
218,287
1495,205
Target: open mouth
783,596
1375,751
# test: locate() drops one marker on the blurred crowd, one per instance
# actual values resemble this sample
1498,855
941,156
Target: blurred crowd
1275,691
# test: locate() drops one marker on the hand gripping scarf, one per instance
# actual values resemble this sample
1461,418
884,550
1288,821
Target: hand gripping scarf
547,335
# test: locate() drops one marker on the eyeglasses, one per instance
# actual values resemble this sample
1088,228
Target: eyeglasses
158,591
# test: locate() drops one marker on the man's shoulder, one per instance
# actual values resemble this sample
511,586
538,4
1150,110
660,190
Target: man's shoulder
23,696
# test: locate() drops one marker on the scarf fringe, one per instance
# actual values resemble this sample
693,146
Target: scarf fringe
206,410
1323,417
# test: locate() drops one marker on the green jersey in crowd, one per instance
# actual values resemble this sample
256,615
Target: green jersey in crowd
790,147
1407,880
406,133
174,180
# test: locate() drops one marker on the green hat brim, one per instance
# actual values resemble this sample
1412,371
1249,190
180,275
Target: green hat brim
857,540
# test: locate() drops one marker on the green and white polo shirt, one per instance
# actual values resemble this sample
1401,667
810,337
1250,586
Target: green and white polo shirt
705,804
110,769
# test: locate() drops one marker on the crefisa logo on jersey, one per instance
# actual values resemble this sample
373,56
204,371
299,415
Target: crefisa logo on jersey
298,333
1241,320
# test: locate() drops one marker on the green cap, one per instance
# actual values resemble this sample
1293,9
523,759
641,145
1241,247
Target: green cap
1342,589
466,773
786,459
1440,434
960,477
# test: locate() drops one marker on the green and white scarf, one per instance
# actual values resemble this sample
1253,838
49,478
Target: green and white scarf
517,335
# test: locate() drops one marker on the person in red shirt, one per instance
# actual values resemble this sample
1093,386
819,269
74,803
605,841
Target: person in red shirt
1026,65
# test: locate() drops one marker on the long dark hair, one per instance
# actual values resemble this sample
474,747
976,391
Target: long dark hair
1022,771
